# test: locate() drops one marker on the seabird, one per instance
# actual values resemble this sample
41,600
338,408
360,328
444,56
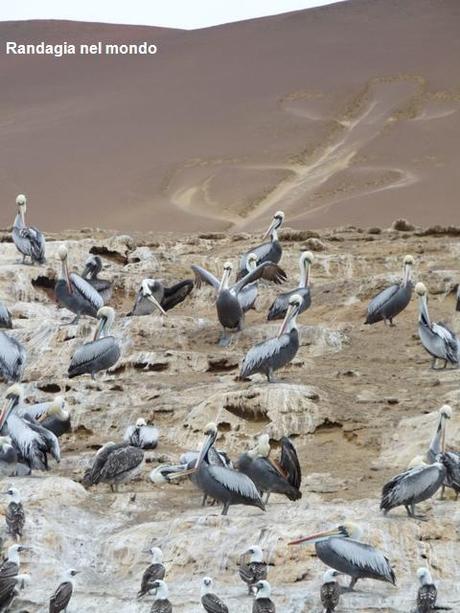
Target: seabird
51,415
341,549
255,570
210,601
438,440
9,576
59,601
74,293
330,591
266,252
142,435
113,464
5,317
12,358
392,300
274,353
154,295
427,594
14,516
438,340
8,457
154,571
29,241
263,603
100,354
93,267
437,453
280,306
161,603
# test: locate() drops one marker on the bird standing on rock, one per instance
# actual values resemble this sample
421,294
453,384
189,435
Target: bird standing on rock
427,594
59,601
161,603
142,435
14,516
255,570
153,572
93,267
280,305
330,591
29,241
263,603
210,601
266,252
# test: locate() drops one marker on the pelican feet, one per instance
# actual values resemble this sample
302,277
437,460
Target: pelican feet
413,515
225,340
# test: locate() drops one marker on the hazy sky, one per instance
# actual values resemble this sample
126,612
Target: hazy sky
171,13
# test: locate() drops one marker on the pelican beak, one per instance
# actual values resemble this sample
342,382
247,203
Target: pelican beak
43,416
69,284
314,538
204,450
6,411
286,319
270,228
443,436
182,473
224,280
100,328
154,301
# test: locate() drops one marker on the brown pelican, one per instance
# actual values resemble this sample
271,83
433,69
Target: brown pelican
154,295
438,440
93,267
342,550
232,301
153,572
14,516
5,317
99,354
281,478
29,241
142,435
74,293
392,300
330,591
411,487
161,603
438,340
59,601
210,601
437,453
9,576
51,415
8,457
32,442
263,603
255,570
280,305
114,463
12,358
274,353
266,252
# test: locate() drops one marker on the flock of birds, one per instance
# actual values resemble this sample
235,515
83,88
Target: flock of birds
29,433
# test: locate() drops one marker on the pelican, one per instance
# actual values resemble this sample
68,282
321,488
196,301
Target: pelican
263,603
255,570
161,603
114,463
210,601
154,295
9,576
266,252
141,435
232,301
280,305
330,591
74,293
93,267
59,601
14,516
450,459
99,354
32,442
153,572
437,442
12,358
51,415
5,317
438,340
8,457
274,353
341,549
29,241
188,461
269,476
392,300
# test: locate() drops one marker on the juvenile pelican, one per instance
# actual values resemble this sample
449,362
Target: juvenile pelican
438,340
330,591
142,435
154,295
342,550
255,569
29,241
266,252
114,463
161,603
280,306
74,293
100,354
411,487
12,358
93,267
392,300
5,317
59,601
14,516
263,602
210,601
274,353
154,571
51,415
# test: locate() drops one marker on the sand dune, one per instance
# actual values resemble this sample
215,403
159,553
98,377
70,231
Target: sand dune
342,114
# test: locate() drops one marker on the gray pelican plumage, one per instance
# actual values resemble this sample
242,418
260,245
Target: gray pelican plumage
437,442
161,603
274,353
437,339
8,457
266,252
392,300
5,317
93,267
342,550
9,575
253,570
283,477
437,452
210,601
154,571
153,294
32,442
74,293
142,435
12,358
29,241
15,517
280,305
99,354
232,302
330,591
114,463
53,415
59,601
263,602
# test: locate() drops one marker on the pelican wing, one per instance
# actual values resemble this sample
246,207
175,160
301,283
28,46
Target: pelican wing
258,354
410,484
49,438
247,296
121,461
289,462
12,357
203,276
353,555
148,436
267,270
90,351
234,481
86,290
449,339
34,411
61,597
5,317
381,299
176,294
451,461
213,604
261,251
128,436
